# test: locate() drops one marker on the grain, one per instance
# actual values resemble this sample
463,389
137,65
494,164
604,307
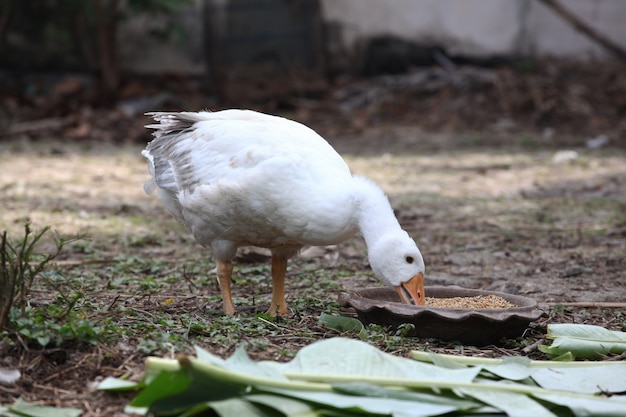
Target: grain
476,302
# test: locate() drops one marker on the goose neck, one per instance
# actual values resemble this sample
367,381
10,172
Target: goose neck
376,217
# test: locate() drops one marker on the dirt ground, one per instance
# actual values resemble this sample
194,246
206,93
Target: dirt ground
490,212
522,204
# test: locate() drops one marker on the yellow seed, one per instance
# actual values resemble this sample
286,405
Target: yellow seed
476,302
167,302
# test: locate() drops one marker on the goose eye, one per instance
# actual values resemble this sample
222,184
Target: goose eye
409,259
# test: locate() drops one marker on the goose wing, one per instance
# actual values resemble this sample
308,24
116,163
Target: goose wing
250,177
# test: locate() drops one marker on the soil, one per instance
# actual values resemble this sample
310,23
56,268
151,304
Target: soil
490,208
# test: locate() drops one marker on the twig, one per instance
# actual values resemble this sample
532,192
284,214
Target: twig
533,346
88,407
117,297
268,322
54,388
78,365
75,262
619,357
588,304
186,277
585,28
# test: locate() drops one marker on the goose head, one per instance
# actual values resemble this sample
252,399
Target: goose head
397,261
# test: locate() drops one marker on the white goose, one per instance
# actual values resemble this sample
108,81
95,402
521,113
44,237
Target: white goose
241,178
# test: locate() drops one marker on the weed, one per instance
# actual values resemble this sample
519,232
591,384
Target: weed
306,303
156,344
150,286
287,353
42,325
61,319
404,329
19,265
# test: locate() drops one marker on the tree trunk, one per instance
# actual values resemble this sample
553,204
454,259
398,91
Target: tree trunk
106,11
5,18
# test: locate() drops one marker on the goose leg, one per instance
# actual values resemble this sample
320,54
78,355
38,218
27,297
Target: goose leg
224,272
279,269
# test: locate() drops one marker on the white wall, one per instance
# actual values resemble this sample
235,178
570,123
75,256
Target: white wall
481,27
469,27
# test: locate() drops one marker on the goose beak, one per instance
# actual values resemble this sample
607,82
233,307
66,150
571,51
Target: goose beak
412,291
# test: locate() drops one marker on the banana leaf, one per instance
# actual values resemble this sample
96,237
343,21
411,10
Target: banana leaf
345,377
584,341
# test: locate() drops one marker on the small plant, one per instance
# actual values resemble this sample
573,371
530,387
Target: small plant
19,265
405,329
39,326
53,322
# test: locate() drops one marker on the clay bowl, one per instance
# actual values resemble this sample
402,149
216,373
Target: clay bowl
469,326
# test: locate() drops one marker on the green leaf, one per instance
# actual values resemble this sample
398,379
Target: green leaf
343,323
340,377
198,409
235,407
118,384
43,340
371,390
512,403
6,413
584,341
585,331
164,385
563,357
25,409
208,357
340,360
514,368
588,406
186,388
286,406
359,404
454,361
604,378
241,362
444,361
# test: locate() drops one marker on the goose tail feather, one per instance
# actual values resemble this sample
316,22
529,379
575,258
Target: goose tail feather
169,122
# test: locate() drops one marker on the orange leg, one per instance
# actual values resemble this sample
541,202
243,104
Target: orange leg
279,269
224,272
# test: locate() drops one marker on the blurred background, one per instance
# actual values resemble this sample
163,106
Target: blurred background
80,69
